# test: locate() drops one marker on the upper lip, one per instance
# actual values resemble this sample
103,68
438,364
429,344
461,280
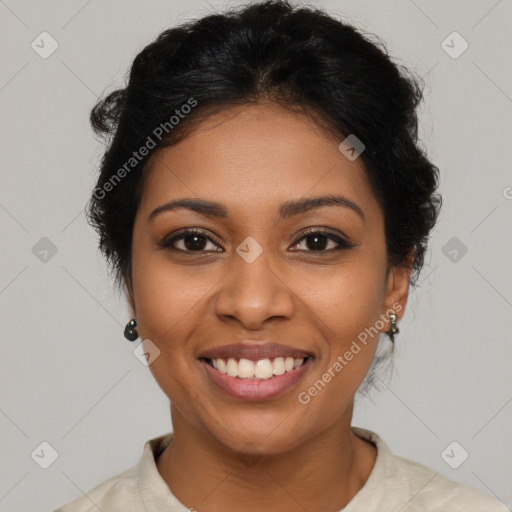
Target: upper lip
254,351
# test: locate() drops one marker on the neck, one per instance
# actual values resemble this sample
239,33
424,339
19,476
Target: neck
323,473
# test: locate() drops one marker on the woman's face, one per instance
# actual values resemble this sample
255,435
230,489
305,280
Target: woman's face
253,275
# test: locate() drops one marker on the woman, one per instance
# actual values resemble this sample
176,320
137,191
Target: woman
265,206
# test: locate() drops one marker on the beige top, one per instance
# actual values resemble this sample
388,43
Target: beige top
395,484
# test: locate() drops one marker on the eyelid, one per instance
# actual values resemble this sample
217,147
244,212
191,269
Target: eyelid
321,229
168,241
340,239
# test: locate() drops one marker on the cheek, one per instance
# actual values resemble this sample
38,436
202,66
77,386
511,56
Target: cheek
348,320
168,307
168,297
345,304
172,302
346,299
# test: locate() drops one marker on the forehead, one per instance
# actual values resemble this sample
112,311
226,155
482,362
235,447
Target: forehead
256,155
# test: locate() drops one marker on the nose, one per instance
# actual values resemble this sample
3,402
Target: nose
253,294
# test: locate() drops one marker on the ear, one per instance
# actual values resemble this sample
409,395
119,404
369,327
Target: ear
128,290
397,287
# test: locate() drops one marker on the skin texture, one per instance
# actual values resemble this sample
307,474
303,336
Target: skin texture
228,453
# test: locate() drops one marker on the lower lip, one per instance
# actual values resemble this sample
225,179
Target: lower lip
256,389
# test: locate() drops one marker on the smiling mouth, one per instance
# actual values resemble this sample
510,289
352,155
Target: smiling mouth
261,369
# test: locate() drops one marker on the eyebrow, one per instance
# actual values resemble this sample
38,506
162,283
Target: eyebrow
286,210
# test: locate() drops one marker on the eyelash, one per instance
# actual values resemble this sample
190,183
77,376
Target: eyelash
167,243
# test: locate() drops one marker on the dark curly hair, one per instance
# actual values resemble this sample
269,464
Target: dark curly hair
302,59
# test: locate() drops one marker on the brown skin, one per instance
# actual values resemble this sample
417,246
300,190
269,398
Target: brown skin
278,454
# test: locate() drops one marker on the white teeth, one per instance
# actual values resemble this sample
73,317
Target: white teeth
245,369
262,369
221,365
297,363
278,366
232,368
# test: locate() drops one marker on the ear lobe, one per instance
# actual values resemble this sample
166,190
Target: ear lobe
397,290
128,290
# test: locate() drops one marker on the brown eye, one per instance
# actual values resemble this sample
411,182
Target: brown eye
190,240
320,241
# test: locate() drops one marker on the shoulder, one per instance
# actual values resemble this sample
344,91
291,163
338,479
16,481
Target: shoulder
130,489
117,491
403,484
429,490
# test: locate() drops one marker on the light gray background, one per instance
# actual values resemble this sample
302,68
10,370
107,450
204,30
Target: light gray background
67,375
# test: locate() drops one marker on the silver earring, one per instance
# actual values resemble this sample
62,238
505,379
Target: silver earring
394,329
